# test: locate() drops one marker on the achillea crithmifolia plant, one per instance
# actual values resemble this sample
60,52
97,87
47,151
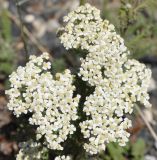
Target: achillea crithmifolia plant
78,122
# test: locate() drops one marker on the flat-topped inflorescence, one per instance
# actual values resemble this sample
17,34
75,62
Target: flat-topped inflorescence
119,83
49,98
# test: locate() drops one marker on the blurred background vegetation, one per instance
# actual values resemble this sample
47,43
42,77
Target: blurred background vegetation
136,22
31,29
7,54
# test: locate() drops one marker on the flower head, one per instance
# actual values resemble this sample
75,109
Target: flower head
49,98
119,83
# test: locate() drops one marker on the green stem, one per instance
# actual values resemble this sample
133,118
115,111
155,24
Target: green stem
82,2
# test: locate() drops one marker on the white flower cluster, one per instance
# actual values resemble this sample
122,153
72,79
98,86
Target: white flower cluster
82,27
63,158
119,82
49,99
30,151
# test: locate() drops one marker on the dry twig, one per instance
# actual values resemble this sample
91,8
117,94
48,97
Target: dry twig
28,34
151,130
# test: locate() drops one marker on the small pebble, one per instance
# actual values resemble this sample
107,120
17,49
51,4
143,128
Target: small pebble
149,157
29,18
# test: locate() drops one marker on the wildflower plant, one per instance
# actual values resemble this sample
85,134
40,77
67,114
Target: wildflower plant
78,114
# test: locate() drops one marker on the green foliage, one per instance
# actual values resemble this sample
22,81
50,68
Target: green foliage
136,23
115,151
58,65
7,54
137,150
6,59
5,26
45,155
82,2
133,151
